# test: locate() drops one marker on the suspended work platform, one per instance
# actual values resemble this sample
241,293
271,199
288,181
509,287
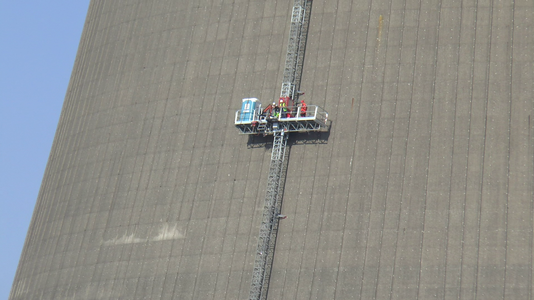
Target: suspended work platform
252,119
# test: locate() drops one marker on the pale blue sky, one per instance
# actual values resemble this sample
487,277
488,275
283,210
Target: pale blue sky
38,44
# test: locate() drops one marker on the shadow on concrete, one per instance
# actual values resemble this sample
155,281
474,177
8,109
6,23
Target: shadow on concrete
295,138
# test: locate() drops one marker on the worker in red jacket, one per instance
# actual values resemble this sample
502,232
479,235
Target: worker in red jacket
303,108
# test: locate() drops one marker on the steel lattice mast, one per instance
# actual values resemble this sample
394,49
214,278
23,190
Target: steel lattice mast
295,48
269,219
272,205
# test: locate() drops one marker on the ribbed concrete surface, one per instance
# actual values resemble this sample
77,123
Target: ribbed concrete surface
423,191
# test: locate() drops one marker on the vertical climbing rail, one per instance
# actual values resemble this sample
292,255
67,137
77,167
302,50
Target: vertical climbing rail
276,222
270,216
295,48
303,34
277,169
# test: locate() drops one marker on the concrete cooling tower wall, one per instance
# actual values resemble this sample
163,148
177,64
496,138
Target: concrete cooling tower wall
421,189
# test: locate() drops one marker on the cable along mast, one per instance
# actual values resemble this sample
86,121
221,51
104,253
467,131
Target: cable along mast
279,119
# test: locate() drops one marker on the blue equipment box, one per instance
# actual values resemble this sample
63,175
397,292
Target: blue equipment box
247,109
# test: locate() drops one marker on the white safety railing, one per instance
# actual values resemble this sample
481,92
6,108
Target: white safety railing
248,120
311,112
291,114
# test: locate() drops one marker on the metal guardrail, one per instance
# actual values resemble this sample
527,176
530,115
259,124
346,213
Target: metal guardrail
294,114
